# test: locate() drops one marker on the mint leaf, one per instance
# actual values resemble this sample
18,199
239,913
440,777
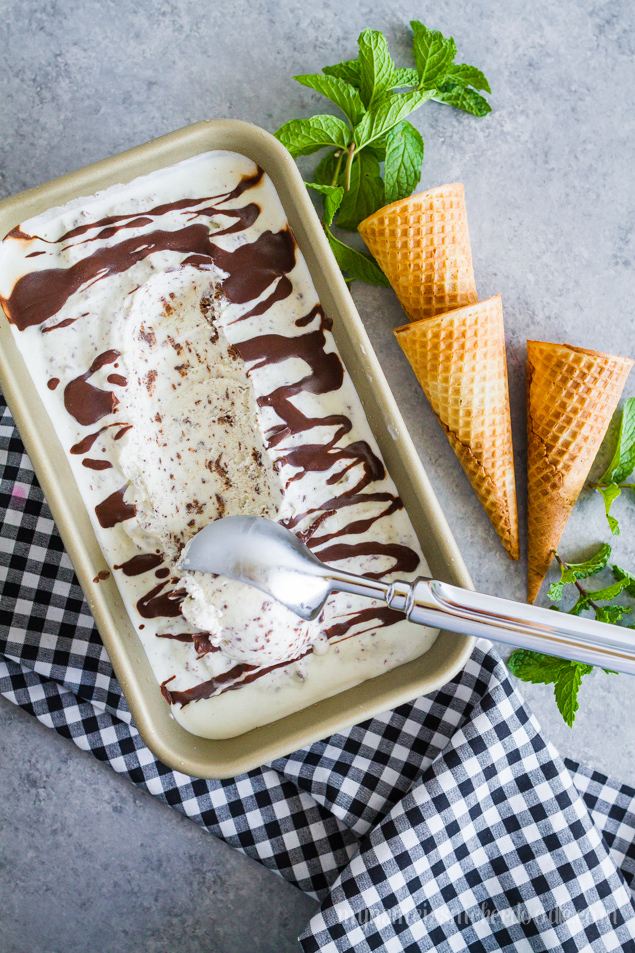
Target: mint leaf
433,55
623,574
333,195
593,564
304,136
462,97
377,69
355,264
349,71
598,595
580,606
623,462
609,592
378,149
366,193
567,688
385,114
535,667
406,76
468,76
609,494
611,614
556,590
345,96
403,161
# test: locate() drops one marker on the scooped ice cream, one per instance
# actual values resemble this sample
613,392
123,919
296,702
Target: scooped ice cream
195,453
175,337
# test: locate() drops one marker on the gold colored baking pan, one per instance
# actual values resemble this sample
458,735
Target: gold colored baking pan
180,750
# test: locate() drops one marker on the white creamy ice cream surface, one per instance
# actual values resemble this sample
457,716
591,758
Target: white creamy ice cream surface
174,335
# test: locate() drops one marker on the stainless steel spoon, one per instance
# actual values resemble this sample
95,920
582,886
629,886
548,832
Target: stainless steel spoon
265,555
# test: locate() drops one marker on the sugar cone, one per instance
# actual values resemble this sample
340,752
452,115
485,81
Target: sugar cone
423,247
459,360
572,394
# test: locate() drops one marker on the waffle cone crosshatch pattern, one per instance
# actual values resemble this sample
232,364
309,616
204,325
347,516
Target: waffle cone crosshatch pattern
572,394
422,245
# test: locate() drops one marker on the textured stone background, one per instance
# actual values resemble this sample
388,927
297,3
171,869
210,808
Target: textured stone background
86,862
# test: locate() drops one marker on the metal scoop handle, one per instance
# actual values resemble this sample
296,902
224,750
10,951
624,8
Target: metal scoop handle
438,604
265,554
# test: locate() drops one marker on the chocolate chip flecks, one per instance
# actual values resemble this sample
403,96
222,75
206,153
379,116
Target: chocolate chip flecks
147,335
150,381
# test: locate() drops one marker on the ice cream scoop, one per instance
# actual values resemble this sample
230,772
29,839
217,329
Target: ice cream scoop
266,555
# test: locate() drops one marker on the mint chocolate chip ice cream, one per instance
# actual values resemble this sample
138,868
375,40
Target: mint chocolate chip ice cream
175,337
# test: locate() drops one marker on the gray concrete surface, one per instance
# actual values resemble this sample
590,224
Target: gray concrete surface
87,862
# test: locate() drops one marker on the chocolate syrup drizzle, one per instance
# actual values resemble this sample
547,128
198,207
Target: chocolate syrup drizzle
228,681
157,603
141,563
87,403
251,269
113,510
200,640
84,445
243,674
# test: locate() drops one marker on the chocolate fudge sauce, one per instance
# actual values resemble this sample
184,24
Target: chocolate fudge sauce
113,510
87,403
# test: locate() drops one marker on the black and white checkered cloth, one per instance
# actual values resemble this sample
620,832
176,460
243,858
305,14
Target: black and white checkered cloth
449,823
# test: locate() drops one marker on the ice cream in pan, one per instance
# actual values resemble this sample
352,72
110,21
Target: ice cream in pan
174,335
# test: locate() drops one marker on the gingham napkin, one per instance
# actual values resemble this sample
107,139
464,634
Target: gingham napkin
449,823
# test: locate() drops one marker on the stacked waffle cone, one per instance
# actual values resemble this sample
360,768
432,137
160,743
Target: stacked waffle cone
455,343
572,394
459,360
423,247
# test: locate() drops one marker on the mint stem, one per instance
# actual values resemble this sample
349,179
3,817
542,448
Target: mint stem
583,592
337,168
349,164
622,486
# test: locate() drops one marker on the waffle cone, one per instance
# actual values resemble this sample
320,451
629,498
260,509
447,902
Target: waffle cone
423,247
459,360
572,394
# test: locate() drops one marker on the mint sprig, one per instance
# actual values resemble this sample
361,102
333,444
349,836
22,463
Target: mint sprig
611,483
565,675
375,98
570,572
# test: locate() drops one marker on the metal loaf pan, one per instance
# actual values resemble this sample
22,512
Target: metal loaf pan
166,739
